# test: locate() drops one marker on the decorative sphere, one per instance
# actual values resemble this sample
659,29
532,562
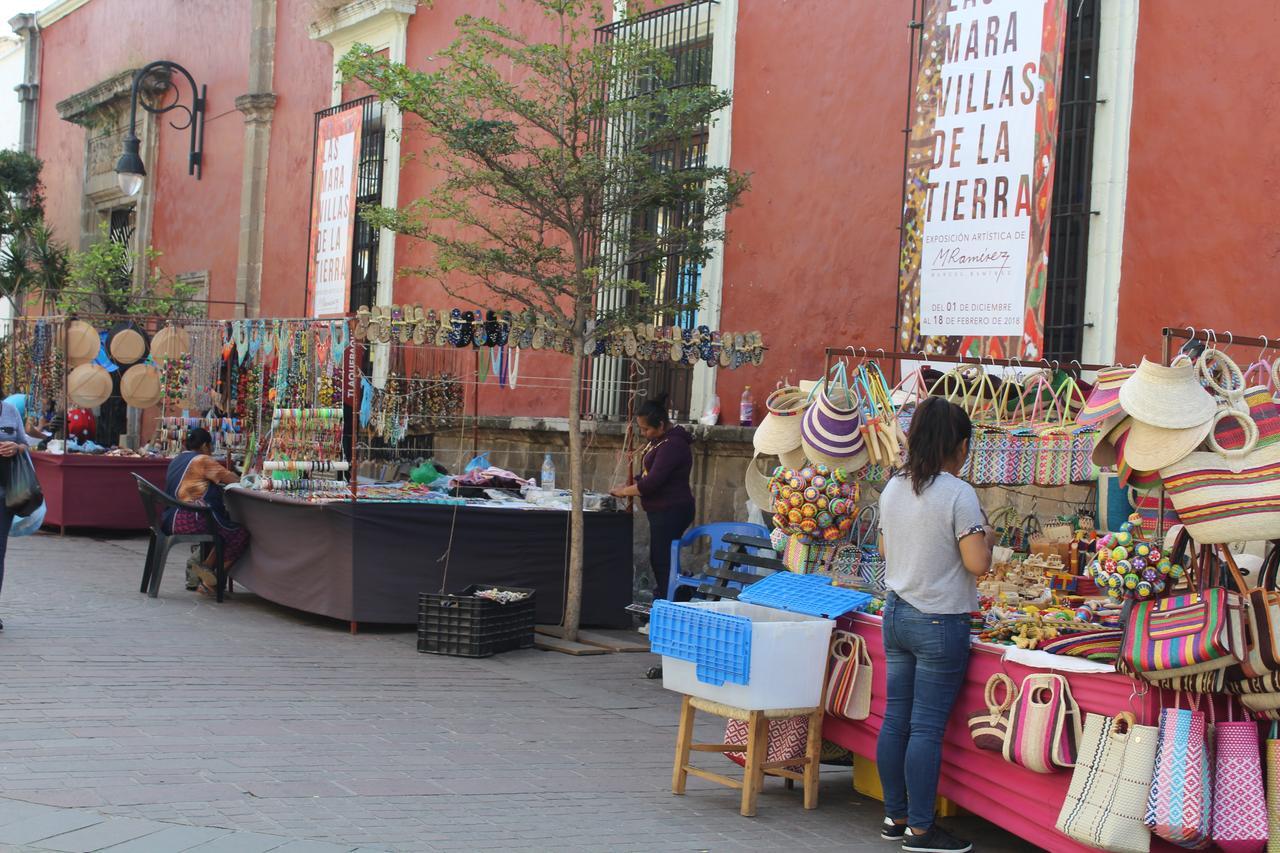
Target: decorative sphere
1110,565
845,525
821,470
1155,554
840,475
811,494
831,534
806,473
1115,581
822,503
795,482
848,490
825,520
818,481
1124,567
1124,539
808,510
779,520
1150,575
1144,589
794,516
1120,553
839,506
796,499
1139,563
1160,587
1131,581
81,424
808,525
1084,614
1104,553
1165,566
1104,541
832,490
781,507
1143,550
1176,571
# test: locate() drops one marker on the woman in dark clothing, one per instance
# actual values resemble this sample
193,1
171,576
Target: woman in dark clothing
663,486
195,477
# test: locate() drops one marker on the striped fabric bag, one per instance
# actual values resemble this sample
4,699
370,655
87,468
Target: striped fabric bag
1185,634
1178,809
1230,433
1227,499
1044,725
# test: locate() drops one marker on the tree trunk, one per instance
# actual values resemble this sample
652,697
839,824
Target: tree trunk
573,598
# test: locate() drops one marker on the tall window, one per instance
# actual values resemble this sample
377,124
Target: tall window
674,282
364,244
1069,231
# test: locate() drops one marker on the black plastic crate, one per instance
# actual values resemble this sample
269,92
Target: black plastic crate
461,624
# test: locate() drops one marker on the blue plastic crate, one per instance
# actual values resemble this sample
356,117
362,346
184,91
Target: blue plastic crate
718,643
812,595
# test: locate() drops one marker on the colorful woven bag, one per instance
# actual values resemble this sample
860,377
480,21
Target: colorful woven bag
1271,750
788,738
990,728
1106,805
848,694
1178,809
1044,725
1239,806
1264,616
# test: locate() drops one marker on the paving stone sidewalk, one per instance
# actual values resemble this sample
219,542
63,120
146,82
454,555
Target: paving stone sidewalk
136,724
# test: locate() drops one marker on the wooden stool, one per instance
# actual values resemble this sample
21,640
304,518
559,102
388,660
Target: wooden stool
756,748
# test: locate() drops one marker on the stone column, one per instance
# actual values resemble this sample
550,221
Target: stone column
258,106
29,89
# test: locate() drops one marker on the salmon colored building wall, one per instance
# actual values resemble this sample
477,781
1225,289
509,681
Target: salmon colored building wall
1202,238
195,223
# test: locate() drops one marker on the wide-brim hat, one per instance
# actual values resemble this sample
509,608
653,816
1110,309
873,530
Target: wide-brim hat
1167,397
1104,400
83,343
89,385
831,428
757,483
171,342
140,386
127,345
1110,432
793,459
779,432
1150,448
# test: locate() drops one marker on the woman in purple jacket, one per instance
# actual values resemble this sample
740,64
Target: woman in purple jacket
663,486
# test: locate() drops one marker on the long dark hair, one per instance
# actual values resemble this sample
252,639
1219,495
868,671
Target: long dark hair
654,412
198,438
938,430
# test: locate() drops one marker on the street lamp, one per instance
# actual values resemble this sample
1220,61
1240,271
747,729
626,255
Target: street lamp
129,168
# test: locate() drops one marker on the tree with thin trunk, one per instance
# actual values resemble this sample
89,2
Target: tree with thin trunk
554,157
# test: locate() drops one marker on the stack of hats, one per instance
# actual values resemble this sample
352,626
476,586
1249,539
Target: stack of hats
778,435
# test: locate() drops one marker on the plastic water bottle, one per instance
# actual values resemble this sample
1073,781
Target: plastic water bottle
747,411
548,474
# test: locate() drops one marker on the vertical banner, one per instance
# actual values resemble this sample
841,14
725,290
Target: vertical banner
333,212
979,177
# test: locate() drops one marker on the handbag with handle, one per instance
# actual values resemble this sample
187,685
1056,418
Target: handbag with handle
1264,620
989,728
1044,725
1106,804
787,740
1239,807
1178,809
1271,751
848,693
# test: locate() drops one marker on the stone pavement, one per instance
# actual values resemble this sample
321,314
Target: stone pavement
134,724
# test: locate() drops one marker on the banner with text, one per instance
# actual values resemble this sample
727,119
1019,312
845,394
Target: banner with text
333,212
971,274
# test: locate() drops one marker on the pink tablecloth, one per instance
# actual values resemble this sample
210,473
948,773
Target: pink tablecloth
983,783
84,490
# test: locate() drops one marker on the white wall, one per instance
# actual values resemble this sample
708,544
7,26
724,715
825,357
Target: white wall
11,62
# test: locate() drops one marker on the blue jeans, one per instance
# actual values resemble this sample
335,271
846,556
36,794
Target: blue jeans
927,657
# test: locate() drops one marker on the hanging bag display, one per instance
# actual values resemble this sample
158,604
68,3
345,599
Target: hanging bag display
1178,809
989,728
1106,804
871,563
1264,619
1239,807
848,693
1044,725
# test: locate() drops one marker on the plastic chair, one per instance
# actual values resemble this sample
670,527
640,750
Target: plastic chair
716,532
155,502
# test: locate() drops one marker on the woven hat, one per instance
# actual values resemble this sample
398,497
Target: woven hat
793,459
779,432
1167,397
171,342
83,343
1104,400
1110,432
127,345
140,386
89,385
757,484
1150,448
831,427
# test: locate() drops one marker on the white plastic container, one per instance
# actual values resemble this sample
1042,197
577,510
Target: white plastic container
788,661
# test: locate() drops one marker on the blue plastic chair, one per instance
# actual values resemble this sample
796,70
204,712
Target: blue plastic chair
716,533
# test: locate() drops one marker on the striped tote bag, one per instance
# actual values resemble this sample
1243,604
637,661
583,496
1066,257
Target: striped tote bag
1228,497
1044,725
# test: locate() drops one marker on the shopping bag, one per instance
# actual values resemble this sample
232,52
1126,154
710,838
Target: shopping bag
25,526
1239,807
848,694
990,728
1273,789
1178,809
21,488
787,740
1044,725
1106,805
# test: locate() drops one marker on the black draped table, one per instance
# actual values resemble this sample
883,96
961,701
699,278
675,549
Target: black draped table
367,561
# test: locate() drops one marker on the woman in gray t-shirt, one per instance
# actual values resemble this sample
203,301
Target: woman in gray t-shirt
936,542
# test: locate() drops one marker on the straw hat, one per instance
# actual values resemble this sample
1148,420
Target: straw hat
1150,448
830,428
140,386
1110,432
1104,401
779,432
793,459
757,483
171,342
1167,397
127,345
83,343
89,385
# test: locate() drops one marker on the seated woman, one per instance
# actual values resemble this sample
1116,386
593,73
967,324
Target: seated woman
195,477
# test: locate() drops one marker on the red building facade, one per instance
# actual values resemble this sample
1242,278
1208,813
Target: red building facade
1161,207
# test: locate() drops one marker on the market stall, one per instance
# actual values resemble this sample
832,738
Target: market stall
367,560
96,491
